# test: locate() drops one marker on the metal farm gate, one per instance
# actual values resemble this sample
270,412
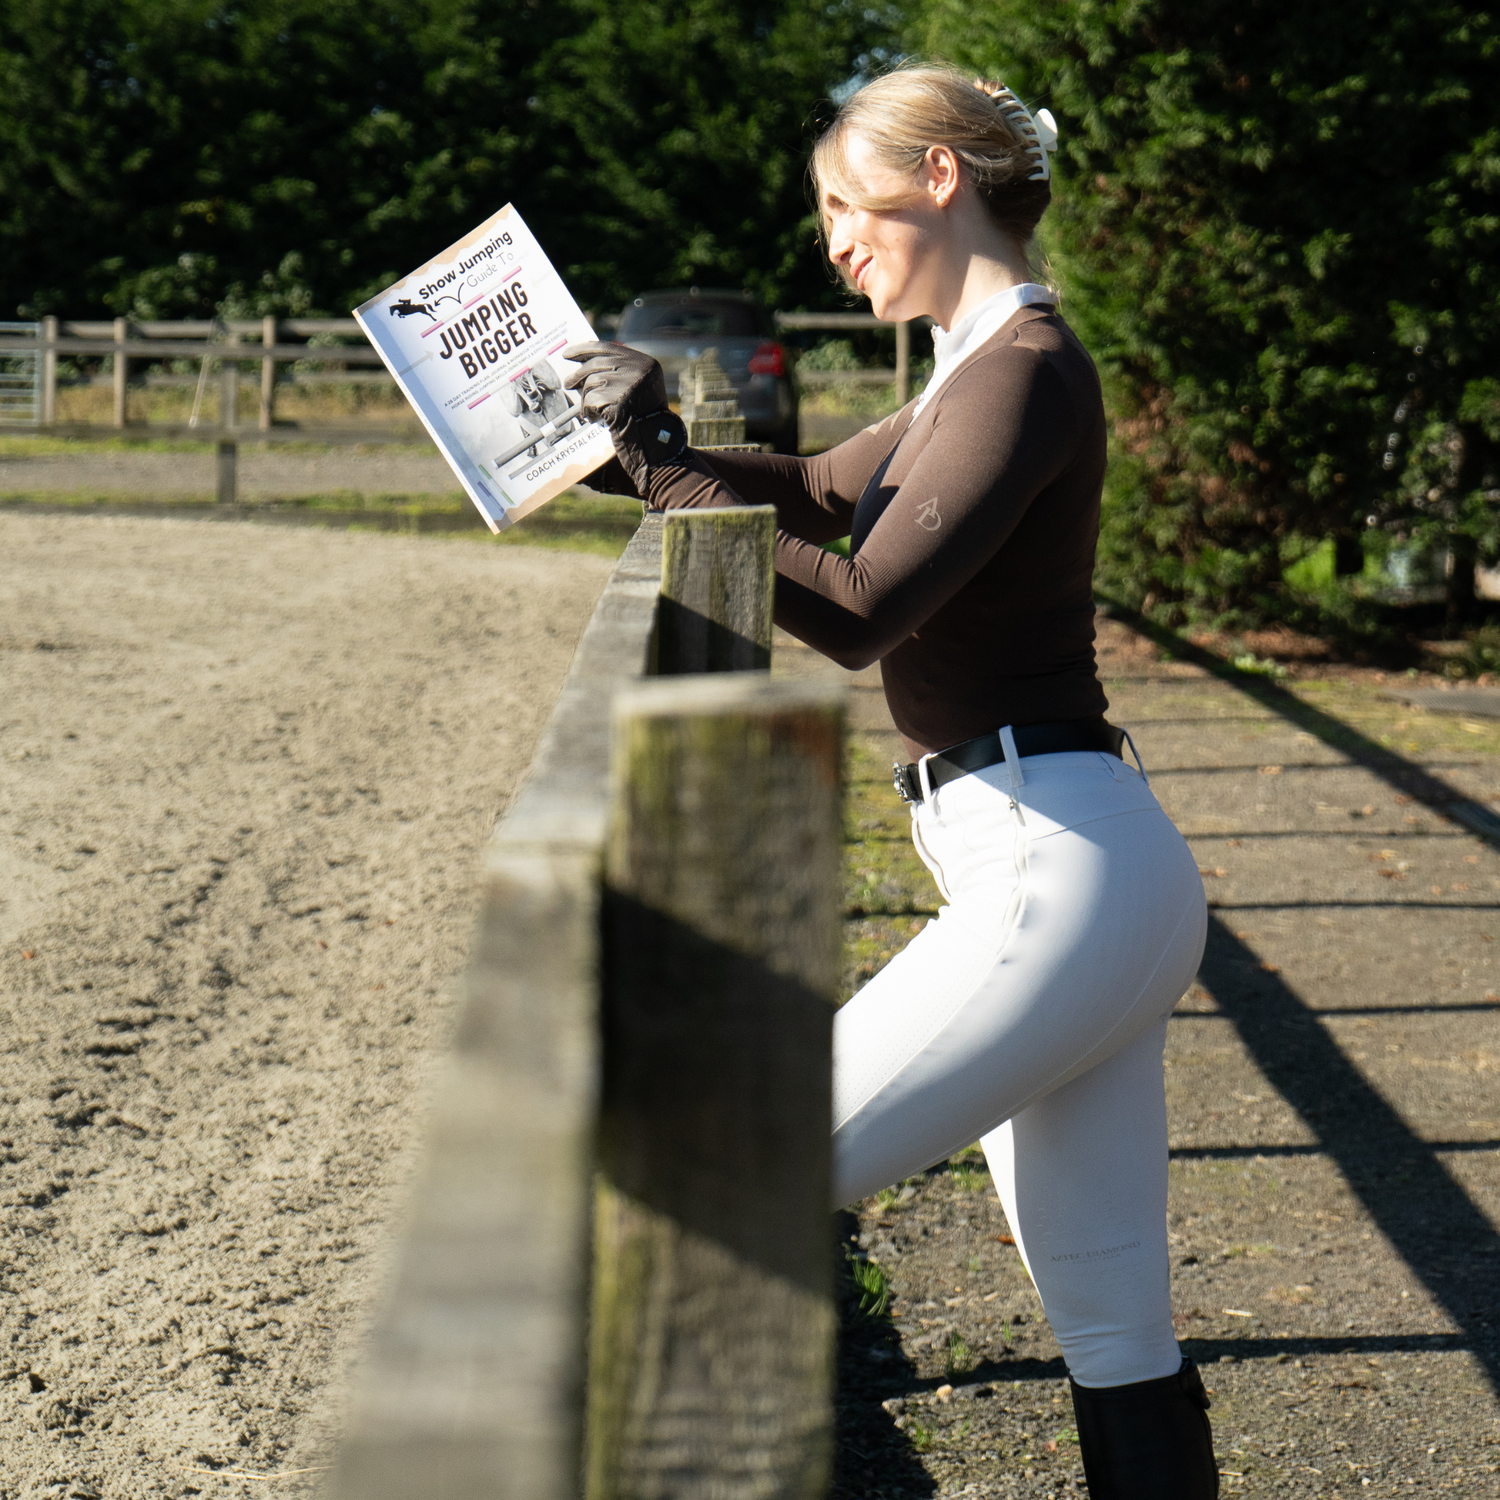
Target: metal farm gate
20,376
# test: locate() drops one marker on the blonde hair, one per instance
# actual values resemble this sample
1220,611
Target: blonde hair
903,114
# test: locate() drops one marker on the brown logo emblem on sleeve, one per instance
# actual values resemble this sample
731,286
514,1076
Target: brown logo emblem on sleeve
928,518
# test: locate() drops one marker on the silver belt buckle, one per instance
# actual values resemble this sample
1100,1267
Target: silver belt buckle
907,786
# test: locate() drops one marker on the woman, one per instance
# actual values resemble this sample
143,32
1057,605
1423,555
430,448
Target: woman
1032,1013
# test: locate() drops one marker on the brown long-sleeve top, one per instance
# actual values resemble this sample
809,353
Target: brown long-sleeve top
972,532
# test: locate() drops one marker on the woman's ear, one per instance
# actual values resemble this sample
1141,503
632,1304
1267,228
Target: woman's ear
943,176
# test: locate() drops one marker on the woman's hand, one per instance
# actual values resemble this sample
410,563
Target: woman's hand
617,384
627,391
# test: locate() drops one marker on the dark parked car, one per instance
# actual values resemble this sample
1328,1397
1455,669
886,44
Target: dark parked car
678,325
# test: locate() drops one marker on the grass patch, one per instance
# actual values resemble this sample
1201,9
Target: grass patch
333,402
921,1438
112,440
958,1356
871,1284
333,503
597,524
888,893
14,447
969,1179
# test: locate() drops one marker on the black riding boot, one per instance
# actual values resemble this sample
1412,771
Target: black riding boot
1148,1441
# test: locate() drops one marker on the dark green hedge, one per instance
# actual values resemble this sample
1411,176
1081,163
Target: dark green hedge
1277,229
169,157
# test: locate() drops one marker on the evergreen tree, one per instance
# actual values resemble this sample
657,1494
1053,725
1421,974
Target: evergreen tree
682,134
160,156
1277,228
169,158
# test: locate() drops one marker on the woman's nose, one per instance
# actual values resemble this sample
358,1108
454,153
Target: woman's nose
840,242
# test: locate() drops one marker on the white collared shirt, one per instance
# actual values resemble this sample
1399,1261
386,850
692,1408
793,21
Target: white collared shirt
955,345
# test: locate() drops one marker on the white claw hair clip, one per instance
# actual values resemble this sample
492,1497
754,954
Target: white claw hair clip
1039,132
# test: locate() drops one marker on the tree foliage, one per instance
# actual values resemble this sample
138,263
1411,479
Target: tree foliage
164,158
1277,228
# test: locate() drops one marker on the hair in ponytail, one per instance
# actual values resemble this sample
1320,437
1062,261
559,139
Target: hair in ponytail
1002,149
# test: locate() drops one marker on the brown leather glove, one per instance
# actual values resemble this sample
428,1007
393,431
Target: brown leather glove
628,392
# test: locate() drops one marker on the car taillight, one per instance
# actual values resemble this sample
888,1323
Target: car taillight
769,359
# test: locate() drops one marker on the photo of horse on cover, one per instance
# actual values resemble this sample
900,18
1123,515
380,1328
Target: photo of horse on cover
473,338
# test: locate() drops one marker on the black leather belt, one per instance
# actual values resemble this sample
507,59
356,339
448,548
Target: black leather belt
986,750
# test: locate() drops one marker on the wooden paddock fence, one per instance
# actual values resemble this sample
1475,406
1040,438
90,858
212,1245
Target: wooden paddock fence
269,342
615,1275
225,343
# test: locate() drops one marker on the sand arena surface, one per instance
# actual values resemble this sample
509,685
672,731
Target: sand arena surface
244,778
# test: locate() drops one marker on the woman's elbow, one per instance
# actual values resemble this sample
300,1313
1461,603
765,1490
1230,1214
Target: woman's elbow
858,648
854,658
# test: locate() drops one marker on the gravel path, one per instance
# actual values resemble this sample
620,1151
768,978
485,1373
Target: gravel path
264,473
244,778
1334,1118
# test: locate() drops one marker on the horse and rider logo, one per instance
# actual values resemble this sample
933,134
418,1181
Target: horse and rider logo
404,307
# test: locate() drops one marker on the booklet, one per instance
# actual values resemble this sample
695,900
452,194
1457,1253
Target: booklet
472,338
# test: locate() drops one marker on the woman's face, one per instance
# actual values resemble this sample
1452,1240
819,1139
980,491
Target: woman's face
890,255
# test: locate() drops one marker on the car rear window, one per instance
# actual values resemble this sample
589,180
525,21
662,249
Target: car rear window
698,318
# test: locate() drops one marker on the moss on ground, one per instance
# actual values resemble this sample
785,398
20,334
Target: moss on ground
888,894
576,522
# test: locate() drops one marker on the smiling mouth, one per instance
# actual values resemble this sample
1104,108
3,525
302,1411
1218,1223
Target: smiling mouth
860,269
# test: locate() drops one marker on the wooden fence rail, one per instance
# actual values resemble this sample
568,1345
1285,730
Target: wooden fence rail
626,1168
229,342
236,341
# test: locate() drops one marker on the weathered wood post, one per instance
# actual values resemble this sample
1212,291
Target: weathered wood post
267,373
692,986
710,404
712,1334
229,384
120,368
229,397
49,369
225,477
903,363
474,1383
718,582
477,1364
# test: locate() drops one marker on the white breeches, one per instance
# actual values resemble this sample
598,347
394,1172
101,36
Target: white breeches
1031,1015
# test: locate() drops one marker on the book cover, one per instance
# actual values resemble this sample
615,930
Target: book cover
473,340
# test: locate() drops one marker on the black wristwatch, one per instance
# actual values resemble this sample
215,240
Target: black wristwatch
660,437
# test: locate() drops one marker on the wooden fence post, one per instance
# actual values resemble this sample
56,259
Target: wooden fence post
225,476
229,399
267,374
717,589
712,1329
121,365
49,369
229,385
710,404
478,1362
903,363
474,1383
